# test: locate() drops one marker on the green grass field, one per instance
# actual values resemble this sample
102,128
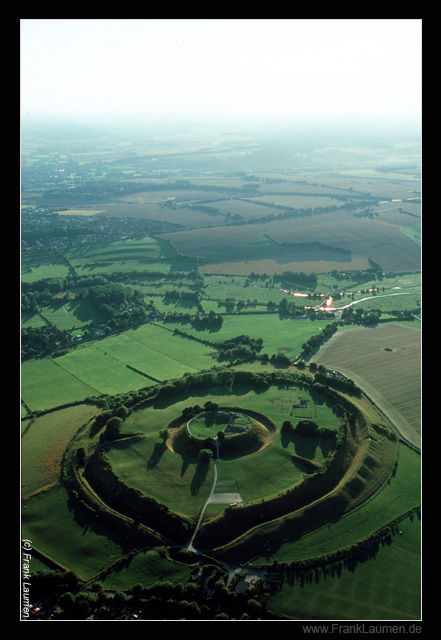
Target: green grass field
150,349
45,385
402,493
102,366
387,587
52,270
146,568
182,485
71,316
69,535
278,334
237,288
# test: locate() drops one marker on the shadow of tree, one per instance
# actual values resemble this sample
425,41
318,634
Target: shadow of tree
185,465
158,452
199,477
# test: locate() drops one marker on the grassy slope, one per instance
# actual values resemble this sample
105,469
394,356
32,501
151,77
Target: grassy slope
386,587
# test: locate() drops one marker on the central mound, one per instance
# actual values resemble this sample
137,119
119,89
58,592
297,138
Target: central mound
228,432
210,424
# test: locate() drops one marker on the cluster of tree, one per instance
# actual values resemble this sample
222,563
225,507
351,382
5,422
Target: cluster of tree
183,294
209,320
205,455
208,210
112,419
360,316
286,308
291,212
120,305
37,342
308,428
242,347
190,278
34,297
278,358
366,213
207,599
113,428
325,382
63,597
190,412
308,280
90,191
316,341
110,293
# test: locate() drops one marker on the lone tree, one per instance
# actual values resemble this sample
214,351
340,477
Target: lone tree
205,455
211,406
113,428
122,411
164,434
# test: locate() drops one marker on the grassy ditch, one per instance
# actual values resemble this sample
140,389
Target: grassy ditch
360,467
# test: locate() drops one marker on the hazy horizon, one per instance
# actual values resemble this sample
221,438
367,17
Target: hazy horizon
229,71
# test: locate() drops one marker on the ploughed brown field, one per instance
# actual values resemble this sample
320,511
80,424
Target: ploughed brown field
386,362
380,240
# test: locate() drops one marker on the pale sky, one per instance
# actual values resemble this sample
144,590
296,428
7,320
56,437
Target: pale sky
248,68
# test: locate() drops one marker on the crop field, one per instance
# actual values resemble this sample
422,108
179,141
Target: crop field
44,442
382,242
183,215
298,201
120,251
313,260
139,264
386,361
245,208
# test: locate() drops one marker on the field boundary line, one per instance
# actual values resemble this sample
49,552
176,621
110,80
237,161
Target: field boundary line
77,378
164,355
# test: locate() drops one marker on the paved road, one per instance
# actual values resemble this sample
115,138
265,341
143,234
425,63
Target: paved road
190,544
